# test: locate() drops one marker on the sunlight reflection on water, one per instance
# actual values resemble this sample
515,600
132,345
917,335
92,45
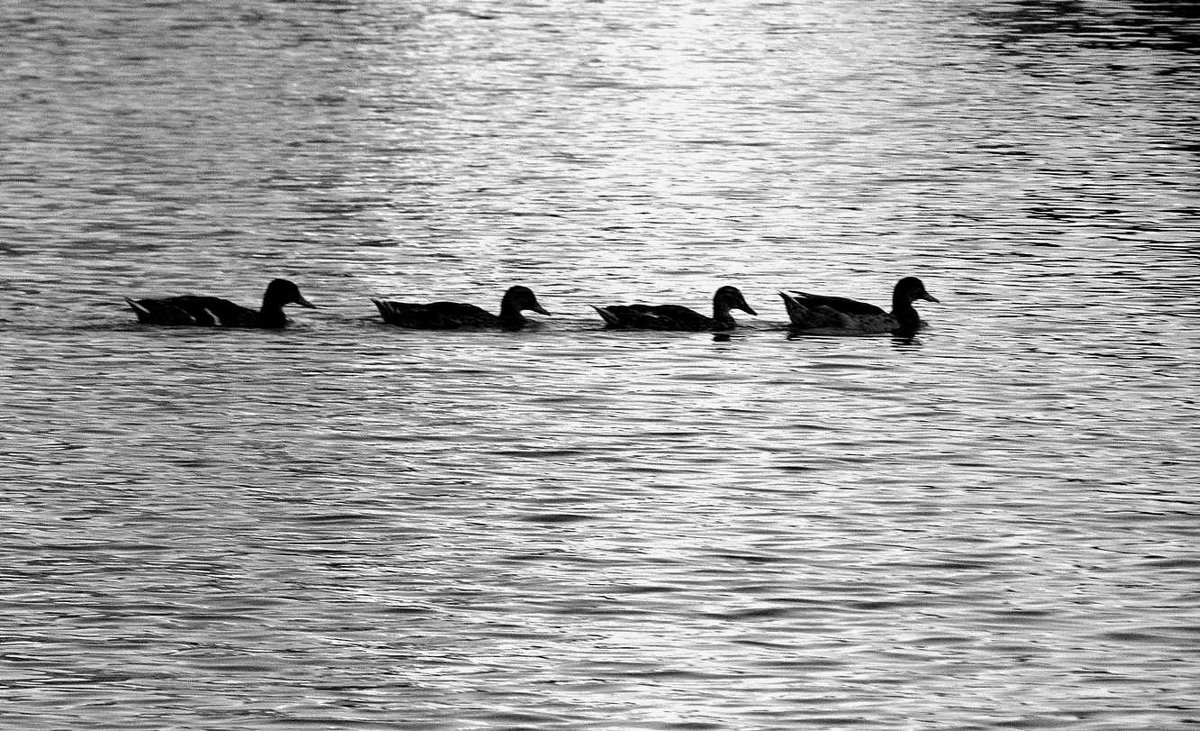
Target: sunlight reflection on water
345,523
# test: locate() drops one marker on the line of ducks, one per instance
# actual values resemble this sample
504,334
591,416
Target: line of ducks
809,313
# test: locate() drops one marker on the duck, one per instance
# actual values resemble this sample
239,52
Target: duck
454,315
824,315
216,312
677,317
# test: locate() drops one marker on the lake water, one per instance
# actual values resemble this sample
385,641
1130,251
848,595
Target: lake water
348,525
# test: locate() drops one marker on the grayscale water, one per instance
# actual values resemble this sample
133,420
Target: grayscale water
347,525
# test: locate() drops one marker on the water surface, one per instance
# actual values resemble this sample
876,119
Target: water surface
346,525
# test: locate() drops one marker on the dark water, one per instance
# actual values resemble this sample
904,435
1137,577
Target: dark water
346,525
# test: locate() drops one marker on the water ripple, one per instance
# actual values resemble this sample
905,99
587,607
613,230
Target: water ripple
349,525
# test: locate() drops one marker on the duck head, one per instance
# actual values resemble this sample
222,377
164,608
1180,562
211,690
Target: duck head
911,289
282,292
730,298
519,298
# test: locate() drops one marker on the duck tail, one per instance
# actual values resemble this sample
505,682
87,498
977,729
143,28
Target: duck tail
384,308
143,314
609,317
393,313
797,312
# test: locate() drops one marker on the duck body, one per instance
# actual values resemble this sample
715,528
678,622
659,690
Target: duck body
455,315
676,317
204,311
825,315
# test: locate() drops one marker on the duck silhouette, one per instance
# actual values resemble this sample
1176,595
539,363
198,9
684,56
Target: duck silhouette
455,315
217,312
677,317
819,314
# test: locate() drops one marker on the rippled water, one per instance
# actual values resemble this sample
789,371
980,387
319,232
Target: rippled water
347,525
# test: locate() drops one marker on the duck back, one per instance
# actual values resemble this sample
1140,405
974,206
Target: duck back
844,305
195,310
435,315
654,317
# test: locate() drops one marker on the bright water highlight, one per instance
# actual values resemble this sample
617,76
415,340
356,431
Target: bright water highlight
348,525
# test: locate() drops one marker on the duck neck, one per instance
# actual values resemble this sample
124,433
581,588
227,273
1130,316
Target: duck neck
904,312
511,317
271,314
722,318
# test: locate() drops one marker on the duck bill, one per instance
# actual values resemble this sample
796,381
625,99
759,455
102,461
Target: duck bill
305,303
929,297
534,306
748,309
